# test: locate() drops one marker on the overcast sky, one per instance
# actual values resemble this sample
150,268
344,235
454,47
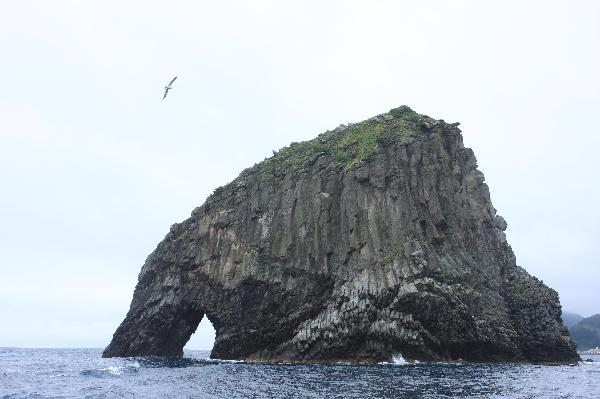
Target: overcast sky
95,167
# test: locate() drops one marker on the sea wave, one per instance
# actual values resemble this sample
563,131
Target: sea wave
397,360
77,373
112,371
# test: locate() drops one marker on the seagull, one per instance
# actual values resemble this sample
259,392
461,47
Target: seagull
168,87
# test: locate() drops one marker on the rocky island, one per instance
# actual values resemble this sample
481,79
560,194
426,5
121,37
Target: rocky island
371,240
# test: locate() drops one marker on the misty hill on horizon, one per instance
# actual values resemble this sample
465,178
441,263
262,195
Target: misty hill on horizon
571,318
586,332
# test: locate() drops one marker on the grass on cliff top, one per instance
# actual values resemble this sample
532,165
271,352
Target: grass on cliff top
348,147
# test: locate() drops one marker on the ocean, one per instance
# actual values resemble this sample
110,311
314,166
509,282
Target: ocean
82,373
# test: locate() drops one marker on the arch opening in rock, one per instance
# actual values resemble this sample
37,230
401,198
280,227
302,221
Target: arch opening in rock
203,338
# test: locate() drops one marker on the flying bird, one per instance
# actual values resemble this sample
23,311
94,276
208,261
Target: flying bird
169,87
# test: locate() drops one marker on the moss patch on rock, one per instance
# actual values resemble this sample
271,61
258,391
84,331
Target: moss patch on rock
346,146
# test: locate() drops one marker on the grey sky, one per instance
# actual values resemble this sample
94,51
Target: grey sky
95,167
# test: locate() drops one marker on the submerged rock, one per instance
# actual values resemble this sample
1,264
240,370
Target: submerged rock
371,241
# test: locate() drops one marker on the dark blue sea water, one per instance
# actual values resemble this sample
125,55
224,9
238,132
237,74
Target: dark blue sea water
82,373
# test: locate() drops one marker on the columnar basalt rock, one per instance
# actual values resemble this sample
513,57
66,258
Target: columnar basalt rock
373,239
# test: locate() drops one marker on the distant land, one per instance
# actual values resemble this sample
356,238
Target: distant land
571,318
586,332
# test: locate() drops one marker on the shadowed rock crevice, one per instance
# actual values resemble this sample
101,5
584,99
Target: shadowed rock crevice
371,240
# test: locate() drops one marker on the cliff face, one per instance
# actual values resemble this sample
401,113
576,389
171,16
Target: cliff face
371,240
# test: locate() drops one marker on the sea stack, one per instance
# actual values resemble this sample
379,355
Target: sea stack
372,240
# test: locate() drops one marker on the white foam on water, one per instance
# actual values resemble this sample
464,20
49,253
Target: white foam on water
584,362
397,359
114,370
226,361
118,370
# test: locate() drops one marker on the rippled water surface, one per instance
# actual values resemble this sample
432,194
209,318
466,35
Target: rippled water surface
82,373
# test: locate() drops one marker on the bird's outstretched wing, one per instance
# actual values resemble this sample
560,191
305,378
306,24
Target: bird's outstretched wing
171,82
166,91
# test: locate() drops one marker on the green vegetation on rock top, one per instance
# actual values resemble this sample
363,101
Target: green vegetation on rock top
346,146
